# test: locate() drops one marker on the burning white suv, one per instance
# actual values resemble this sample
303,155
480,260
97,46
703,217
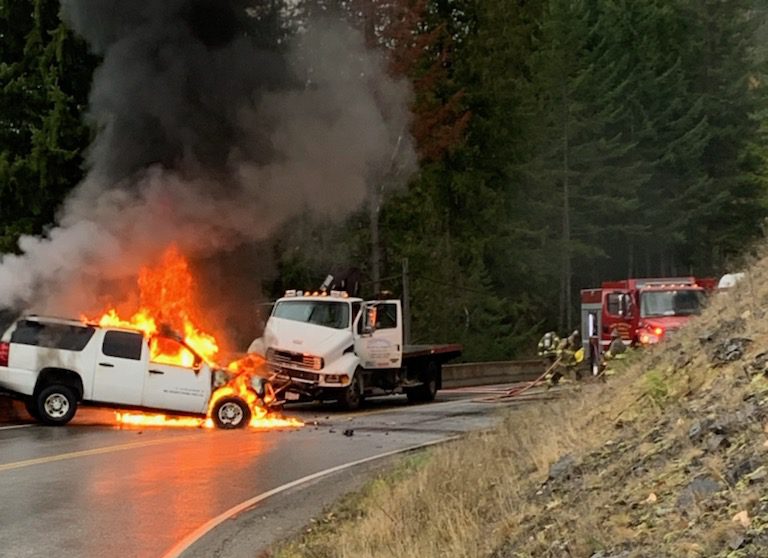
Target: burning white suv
53,365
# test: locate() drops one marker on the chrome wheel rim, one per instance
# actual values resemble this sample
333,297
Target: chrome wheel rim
230,413
56,405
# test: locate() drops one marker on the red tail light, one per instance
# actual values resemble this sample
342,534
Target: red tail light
658,331
5,351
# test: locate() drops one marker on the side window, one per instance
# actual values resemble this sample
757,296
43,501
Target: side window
123,344
355,311
613,304
52,335
619,304
386,316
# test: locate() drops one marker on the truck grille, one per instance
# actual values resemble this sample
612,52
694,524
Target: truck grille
298,375
295,359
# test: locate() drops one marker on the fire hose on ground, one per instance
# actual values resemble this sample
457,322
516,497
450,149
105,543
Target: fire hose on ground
519,390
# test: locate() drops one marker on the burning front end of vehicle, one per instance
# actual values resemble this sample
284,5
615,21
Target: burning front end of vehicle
241,391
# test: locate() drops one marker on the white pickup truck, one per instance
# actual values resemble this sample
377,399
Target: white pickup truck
331,346
53,365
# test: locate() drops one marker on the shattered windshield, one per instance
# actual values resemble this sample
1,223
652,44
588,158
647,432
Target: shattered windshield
319,312
671,303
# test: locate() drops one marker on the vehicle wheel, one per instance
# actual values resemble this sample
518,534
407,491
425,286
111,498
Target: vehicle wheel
428,390
352,396
29,405
55,405
230,413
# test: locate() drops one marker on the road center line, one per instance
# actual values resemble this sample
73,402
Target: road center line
87,453
182,546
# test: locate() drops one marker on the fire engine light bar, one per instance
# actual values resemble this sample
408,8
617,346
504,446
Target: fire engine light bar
666,282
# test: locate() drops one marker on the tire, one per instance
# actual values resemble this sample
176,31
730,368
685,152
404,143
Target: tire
55,405
351,397
29,405
230,413
428,390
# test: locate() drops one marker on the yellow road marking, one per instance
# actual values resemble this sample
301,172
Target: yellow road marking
87,453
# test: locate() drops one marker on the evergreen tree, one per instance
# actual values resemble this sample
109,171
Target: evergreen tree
584,172
728,78
45,75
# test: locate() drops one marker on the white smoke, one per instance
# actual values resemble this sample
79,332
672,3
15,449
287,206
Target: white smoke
212,164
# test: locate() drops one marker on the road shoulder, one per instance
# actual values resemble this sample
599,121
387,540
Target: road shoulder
255,531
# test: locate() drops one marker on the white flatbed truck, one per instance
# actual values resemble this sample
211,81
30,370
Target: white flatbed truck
335,347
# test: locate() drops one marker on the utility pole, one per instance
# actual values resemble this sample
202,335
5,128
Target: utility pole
374,208
406,305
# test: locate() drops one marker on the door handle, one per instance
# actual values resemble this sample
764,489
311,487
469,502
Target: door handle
106,365
156,372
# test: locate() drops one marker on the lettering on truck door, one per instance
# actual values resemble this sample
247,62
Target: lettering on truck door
379,339
177,388
120,367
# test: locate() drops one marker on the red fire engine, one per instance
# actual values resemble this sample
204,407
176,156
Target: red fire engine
643,311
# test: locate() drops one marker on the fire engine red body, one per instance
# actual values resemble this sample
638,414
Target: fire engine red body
643,311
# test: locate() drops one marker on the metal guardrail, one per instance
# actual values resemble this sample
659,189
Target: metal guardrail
485,373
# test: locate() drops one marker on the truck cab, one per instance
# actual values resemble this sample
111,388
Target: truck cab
333,346
643,311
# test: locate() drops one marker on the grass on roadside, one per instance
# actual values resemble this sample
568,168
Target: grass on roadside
629,459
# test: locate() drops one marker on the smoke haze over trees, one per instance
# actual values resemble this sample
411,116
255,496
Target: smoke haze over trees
207,136
561,143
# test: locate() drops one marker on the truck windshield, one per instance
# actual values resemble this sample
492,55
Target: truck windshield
326,313
671,303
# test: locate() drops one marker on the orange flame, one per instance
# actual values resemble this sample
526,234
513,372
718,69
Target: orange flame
168,299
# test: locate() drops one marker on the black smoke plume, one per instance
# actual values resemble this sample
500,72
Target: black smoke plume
213,125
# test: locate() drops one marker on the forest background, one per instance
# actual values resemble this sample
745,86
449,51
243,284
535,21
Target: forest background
561,143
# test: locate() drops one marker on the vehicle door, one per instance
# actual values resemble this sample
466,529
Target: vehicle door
379,334
619,314
175,387
121,364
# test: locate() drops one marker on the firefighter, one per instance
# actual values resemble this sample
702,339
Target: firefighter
549,349
549,345
617,348
571,356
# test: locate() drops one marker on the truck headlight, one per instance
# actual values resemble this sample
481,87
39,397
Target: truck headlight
337,378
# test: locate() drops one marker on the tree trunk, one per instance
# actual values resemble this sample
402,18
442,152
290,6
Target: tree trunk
566,310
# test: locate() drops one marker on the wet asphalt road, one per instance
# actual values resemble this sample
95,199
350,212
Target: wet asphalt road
92,489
